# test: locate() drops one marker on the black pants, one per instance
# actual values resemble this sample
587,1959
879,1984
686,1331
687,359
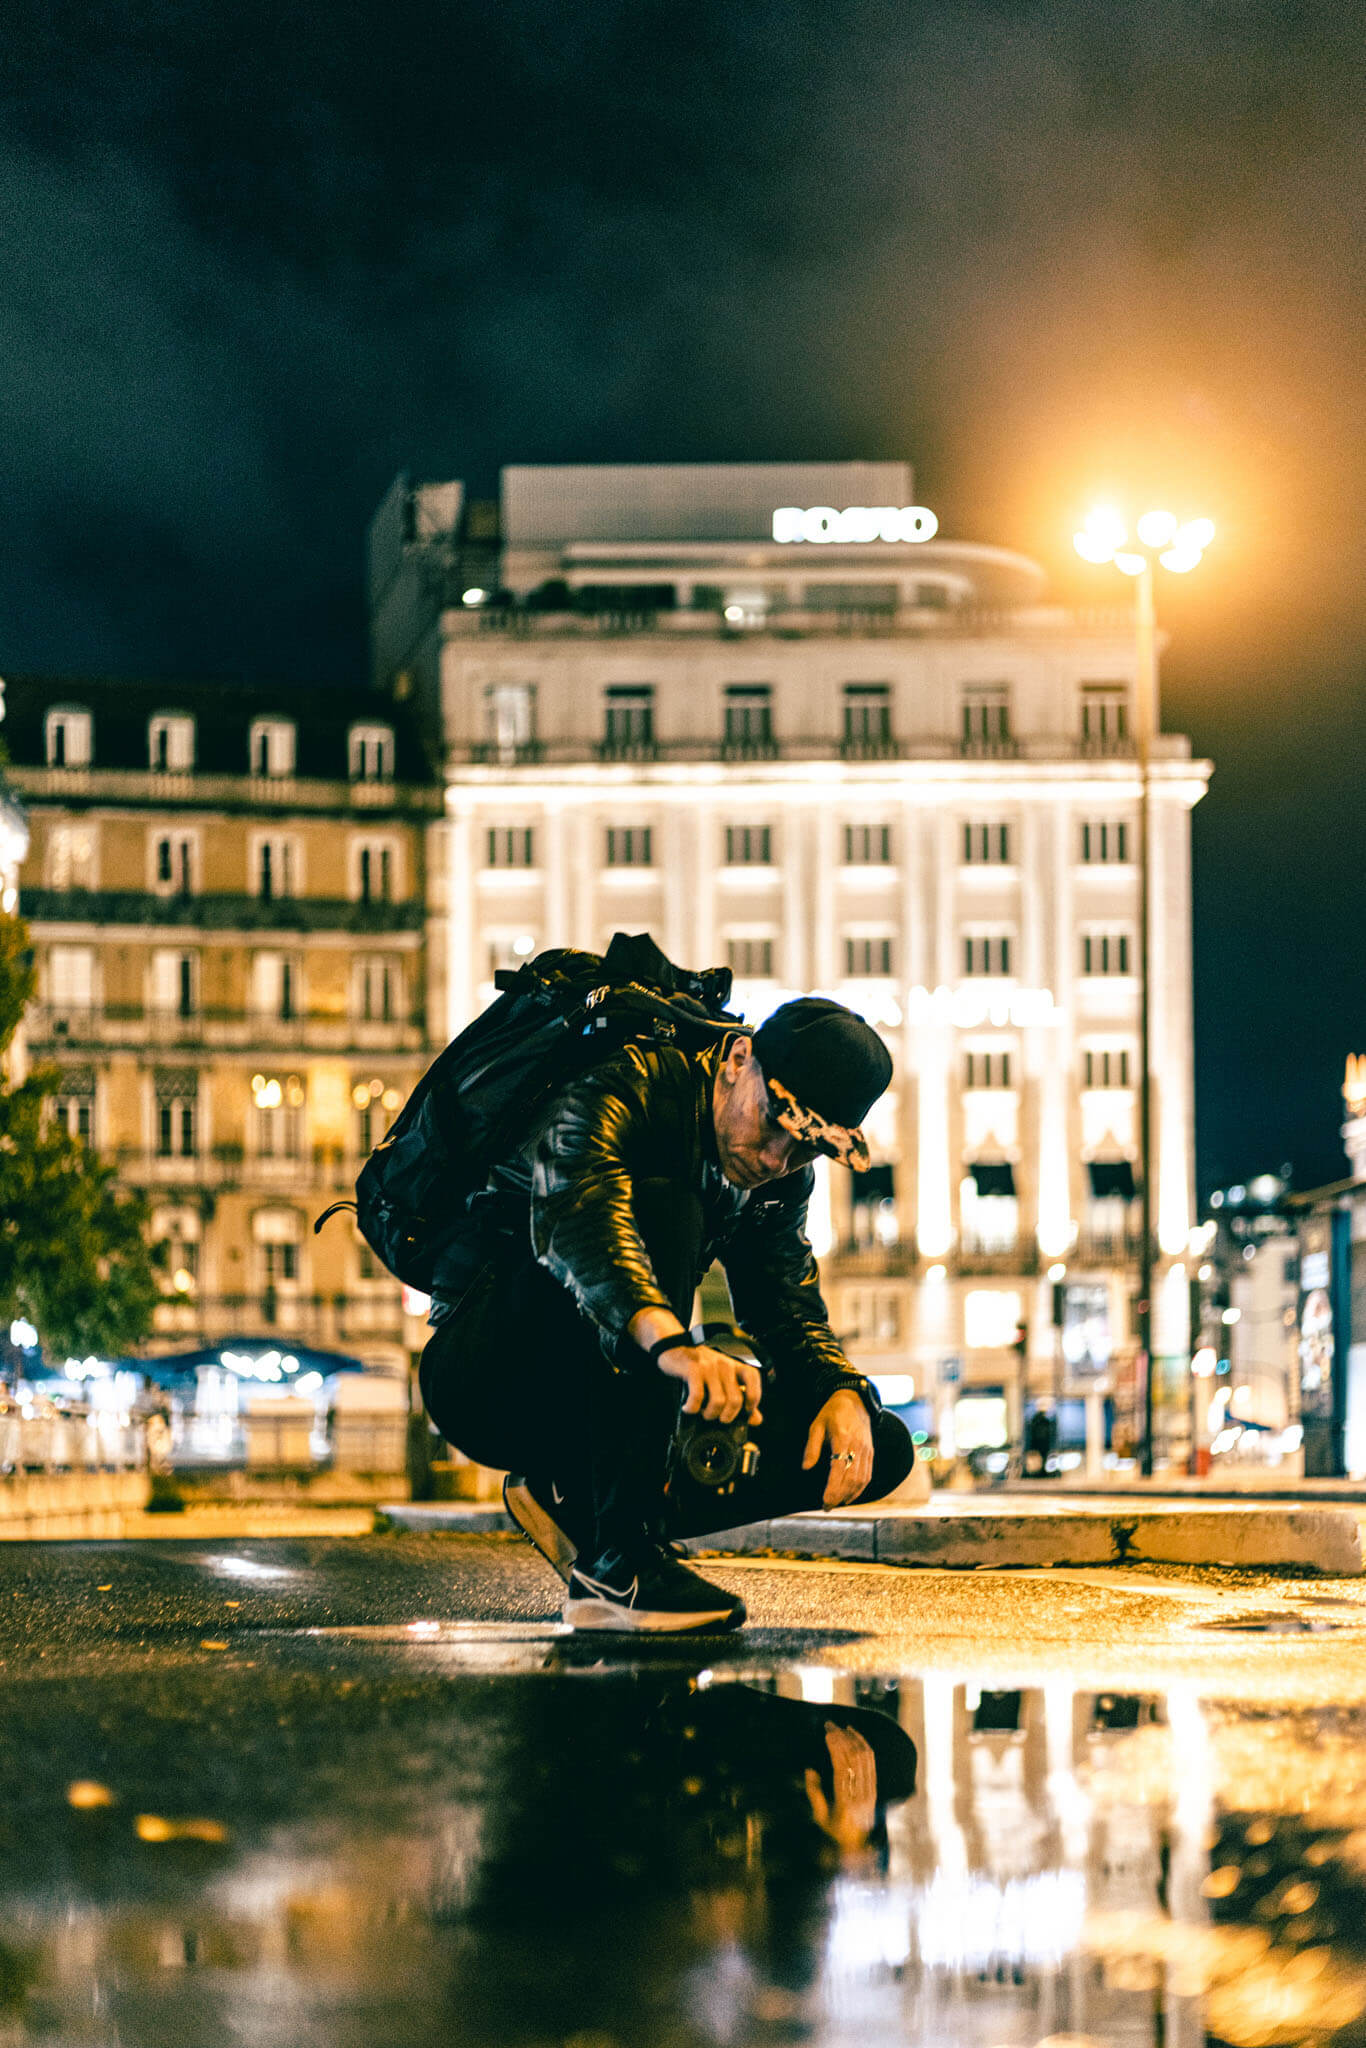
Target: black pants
516,1378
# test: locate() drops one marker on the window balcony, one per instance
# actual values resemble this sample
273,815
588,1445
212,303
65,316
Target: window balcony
870,747
750,747
1004,747
50,1026
627,749
317,1169
976,1258
522,754
1121,1247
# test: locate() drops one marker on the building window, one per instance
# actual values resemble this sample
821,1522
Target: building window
510,721
175,981
278,1115
872,1215
377,1103
867,846
855,598
278,1234
270,746
170,742
71,857
986,844
750,959
867,719
986,1068
1106,1066
378,997
872,1315
375,870
1105,953
173,863
276,985
178,1232
749,719
990,1211
275,866
629,846
867,954
1105,839
370,753
69,739
73,1105
986,953
629,721
1104,717
176,1100
986,719
511,846
71,977
991,1318
749,846
509,951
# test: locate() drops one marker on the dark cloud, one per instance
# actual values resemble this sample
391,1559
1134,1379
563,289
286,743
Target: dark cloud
254,259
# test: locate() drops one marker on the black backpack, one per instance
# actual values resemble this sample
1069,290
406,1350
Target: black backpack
554,1017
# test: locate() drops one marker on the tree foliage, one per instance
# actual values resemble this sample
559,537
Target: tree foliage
74,1258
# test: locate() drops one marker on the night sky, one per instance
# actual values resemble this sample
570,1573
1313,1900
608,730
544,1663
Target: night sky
257,258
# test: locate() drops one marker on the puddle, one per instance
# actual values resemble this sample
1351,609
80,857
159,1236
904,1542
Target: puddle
1277,1622
680,1854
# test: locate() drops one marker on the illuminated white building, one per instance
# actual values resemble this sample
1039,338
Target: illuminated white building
768,714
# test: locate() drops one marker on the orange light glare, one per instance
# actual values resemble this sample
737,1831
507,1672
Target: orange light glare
1180,560
1092,550
1157,529
1132,565
1196,533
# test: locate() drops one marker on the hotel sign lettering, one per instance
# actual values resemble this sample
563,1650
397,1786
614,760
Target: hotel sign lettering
860,523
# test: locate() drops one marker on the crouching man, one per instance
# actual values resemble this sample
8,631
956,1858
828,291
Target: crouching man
567,1358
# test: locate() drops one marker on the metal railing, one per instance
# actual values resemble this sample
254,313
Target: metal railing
223,911
168,788
1021,748
802,622
122,1024
42,1437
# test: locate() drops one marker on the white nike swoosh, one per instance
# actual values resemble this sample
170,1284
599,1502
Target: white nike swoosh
556,1495
628,1597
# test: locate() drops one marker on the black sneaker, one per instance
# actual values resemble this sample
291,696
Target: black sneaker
654,1593
545,1517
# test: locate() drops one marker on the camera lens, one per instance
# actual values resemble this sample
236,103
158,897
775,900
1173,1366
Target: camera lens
712,1457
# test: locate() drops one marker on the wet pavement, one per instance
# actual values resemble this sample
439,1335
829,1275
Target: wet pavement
302,1791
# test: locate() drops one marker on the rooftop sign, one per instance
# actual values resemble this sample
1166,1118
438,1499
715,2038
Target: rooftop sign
855,523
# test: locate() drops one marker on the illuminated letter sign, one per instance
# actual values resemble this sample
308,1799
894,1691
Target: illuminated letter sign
822,523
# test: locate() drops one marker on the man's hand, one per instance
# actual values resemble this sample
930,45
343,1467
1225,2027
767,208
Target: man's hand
843,1425
851,1815
718,1385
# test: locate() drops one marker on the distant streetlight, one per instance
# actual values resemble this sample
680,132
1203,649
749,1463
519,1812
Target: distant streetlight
1177,547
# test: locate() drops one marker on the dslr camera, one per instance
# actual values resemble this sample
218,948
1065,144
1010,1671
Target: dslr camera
714,1454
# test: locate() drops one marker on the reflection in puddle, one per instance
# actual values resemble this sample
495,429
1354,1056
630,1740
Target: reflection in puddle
685,1857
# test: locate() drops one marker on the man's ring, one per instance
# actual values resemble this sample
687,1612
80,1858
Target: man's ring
847,1457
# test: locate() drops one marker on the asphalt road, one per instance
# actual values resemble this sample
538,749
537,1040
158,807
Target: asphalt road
304,1791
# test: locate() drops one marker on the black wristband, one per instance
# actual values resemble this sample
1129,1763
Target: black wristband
656,1351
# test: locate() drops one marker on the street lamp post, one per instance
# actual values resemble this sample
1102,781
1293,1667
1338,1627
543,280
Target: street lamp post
1178,548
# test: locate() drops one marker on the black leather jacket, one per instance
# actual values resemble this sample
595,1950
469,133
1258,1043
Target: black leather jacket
646,1114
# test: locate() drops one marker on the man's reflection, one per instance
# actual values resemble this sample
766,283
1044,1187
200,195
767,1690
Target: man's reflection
648,1832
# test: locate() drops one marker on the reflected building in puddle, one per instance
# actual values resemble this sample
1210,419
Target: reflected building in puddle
637,1856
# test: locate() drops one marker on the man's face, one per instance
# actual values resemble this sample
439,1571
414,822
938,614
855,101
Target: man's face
752,1145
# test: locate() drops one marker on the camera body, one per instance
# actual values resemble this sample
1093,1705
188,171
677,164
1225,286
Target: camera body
715,1455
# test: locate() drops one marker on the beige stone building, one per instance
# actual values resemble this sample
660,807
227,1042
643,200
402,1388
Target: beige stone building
768,713
236,897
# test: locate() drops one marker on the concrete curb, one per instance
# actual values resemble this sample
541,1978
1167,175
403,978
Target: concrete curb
967,1538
